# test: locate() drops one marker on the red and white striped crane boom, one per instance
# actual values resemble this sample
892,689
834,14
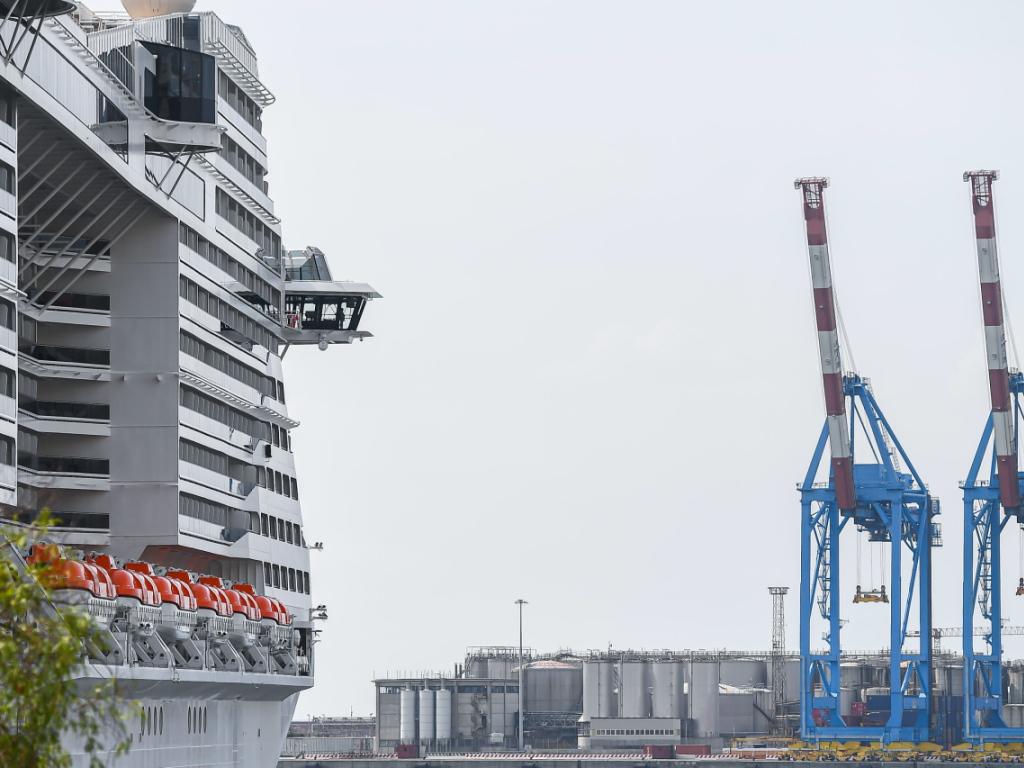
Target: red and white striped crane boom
813,191
995,335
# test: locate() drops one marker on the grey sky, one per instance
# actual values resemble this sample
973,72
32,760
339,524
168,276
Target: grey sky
594,378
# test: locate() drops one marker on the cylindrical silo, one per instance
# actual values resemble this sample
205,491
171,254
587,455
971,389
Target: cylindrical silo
633,689
502,668
426,715
407,716
846,698
851,675
598,690
667,679
476,668
744,673
553,686
443,730
703,699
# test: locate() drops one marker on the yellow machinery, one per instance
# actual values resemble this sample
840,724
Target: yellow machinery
871,595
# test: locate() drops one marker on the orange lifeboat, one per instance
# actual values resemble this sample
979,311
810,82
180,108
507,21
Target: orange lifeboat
207,597
269,608
174,591
246,602
129,583
62,573
234,598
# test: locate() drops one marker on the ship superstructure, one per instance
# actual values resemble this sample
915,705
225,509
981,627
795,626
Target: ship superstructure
146,303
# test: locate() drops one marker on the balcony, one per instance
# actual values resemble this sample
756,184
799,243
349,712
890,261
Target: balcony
91,302
60,410
56,418
64,465
46,353
64,472
214,480
210,531
92,521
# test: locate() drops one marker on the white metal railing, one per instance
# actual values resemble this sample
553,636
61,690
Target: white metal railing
236,58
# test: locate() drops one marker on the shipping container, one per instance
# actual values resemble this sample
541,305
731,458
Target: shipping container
659,751
693,749
406,751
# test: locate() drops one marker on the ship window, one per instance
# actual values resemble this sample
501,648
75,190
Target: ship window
183,86
280,529
291,579
161,721
268,297
295,489
277,576
265,524
307,583
204,719
7,247
267,577
7,382
8,107
224,363
7,177
288,533
7,452
8,315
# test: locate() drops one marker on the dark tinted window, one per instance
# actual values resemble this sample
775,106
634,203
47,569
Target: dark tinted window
184,85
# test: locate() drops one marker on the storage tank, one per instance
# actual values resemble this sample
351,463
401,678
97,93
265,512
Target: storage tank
703,699
667,680
846,698
851,675
1015,686
476,668
502,668
791,678
745,673
634,693
426,715
407,716
598,690
554,686
443,718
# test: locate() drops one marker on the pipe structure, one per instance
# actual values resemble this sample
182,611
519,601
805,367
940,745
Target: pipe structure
995,336
813,193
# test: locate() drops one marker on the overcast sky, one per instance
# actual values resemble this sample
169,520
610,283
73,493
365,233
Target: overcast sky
594,380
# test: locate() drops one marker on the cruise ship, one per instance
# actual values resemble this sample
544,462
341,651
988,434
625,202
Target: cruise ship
146,304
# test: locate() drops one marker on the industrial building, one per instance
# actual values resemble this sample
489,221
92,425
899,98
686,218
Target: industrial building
625,700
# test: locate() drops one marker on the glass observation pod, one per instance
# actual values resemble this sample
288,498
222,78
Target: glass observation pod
174,94
325,312
318,309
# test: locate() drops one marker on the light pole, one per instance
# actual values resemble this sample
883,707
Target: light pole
520,602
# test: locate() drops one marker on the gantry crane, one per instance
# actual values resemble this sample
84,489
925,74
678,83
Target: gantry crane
868,488
987,490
